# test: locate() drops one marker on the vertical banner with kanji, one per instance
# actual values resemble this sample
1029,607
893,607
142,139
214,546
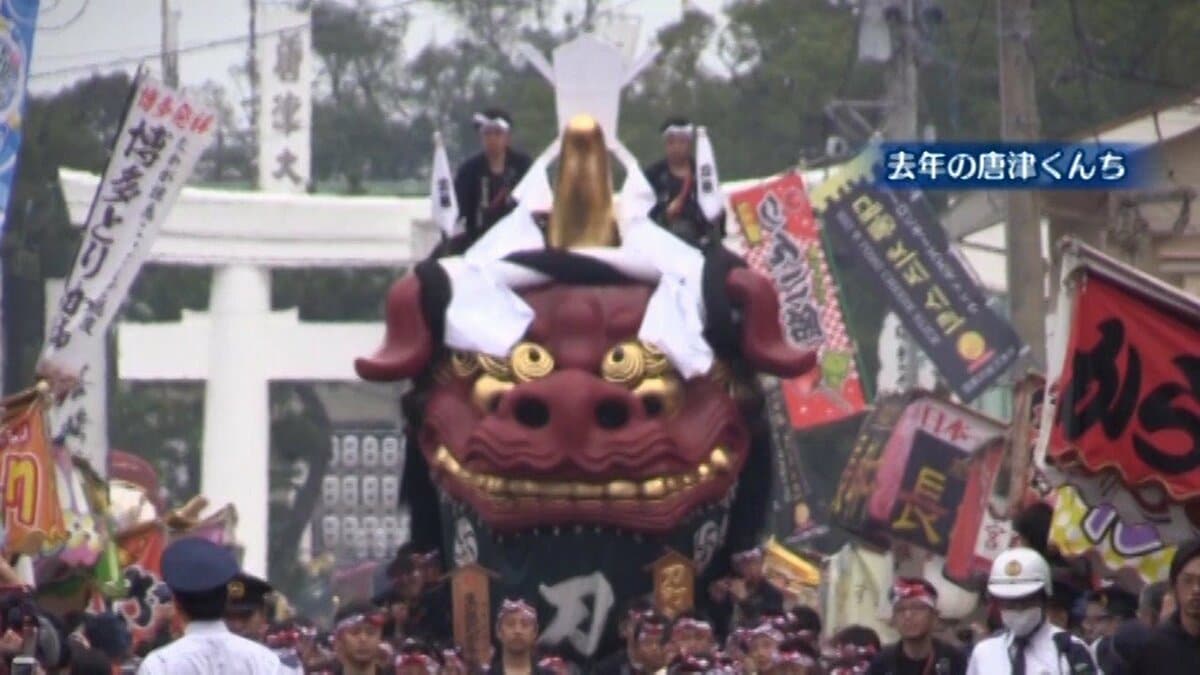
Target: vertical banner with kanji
285,70
785,244
32,515
898,237
161,138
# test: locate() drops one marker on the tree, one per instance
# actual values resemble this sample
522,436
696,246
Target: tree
357,112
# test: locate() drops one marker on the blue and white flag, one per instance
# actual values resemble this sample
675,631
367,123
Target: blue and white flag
18,19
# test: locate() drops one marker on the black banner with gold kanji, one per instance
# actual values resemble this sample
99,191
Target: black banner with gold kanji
901,243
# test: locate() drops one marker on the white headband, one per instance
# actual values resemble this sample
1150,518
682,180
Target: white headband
484,121
682,129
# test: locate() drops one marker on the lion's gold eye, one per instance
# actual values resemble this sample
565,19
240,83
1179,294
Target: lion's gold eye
624,364
530,361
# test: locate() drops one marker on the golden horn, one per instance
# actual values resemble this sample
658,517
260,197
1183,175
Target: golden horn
583,213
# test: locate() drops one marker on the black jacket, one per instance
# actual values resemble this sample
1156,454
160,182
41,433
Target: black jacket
690,225
484,198
947,660
1163,650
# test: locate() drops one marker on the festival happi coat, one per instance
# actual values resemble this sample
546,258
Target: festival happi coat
584,399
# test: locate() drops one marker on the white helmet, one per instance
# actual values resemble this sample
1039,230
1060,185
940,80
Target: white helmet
1017,573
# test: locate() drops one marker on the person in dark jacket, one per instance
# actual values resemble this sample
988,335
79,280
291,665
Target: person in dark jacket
628,623
914,614
484,183
1173,646
673,179
750,593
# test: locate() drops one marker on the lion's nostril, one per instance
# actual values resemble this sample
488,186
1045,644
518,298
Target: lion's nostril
531,412
612,414
653,404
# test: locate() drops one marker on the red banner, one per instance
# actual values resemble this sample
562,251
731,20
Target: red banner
1129,396
784,244
32,514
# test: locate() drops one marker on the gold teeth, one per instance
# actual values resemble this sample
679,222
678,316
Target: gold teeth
650,489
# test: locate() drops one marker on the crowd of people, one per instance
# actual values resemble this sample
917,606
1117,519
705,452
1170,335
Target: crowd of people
223,620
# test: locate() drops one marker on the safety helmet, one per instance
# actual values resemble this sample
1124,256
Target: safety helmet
1018,573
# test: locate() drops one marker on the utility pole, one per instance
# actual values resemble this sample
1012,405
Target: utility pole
170,45
1023,226
900,124
252,76
901,84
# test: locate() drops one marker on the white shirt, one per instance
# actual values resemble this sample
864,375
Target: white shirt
208,647
991,656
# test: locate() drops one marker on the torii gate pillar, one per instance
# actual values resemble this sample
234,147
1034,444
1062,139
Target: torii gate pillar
236,458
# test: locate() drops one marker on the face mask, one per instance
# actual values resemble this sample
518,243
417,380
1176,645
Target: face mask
1021,622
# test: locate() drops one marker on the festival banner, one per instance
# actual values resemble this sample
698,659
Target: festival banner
32,516
920,486
1129,388
285,63
982,530
932,487
898,237
161,138
79,421
849,507
18,21
785,245
1097,533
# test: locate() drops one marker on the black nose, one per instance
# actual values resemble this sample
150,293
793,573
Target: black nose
532,412
612,414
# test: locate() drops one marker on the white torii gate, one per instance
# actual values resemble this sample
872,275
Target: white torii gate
240,344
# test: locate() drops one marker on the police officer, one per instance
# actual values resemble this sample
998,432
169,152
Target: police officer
246,606
1020,585
484,183
198,573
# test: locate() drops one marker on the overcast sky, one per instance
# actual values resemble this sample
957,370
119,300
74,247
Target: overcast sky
78,37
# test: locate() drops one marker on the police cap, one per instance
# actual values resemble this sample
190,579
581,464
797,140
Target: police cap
195,565
247,593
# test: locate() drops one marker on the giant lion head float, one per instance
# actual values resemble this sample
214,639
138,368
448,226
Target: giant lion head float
583,398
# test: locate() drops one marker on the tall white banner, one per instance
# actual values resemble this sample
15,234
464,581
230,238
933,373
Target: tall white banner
285,70
81,419
162,137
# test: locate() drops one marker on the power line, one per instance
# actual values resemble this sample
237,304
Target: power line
212,44
82,8
130,60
